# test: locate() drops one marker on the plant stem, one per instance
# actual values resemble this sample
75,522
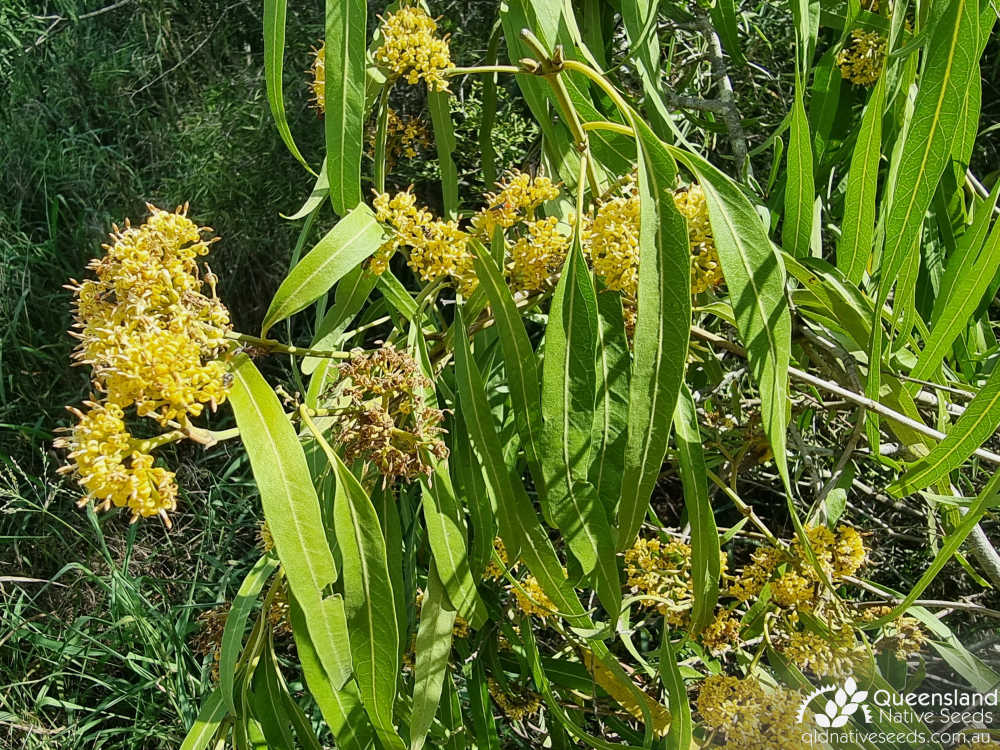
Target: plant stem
271,345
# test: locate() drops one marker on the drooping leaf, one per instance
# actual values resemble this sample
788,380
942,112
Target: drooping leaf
368,602
661,332
433,647
274,57
800,190
756,281
569,382
292,510
345,113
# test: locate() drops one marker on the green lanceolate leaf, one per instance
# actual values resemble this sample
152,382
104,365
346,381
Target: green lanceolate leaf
292,510
705,552
947,74
858,226
444,137
345,100
232,634
350,242
569,382
519,361
756,281
368,601
679,736
973,428
610,430
213,711
274,61
432,649
661,332
447,536
320,190
796,232
341,709
353,291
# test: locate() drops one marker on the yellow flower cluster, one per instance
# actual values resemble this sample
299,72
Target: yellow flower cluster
861,61
153,341
532,599
611,241
404,136
904,636
318,83
662,570
438,250
208,639
835,655
493,571
519,196
115,468
706,273
748,716
722,634
538,254
514,707
412,49
839,555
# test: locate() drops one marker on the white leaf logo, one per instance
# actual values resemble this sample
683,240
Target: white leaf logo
822,721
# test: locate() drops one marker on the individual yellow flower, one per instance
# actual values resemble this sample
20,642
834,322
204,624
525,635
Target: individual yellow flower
515,707
861,61
411,48
318,83
538,254
113,467
519,196
748,716
532,599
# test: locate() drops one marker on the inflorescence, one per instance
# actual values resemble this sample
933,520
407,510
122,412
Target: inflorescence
155,343
412,49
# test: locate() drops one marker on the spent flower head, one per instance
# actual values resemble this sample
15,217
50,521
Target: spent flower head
861,61
382,416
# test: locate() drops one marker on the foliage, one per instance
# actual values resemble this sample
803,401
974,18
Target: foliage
497,381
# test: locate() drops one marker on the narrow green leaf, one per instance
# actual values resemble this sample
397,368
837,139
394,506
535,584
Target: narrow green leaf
976,425
446,534
661,331
679,736
469,483
756,281
319,192
610,431
637,18
947,73
350,242
858,226
796,232
345,99
292,510
569,382
213,711
353,291
705,551
232,633
368,601
444,138
433,647
519,361
484,727
267,706
274,62
341,709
